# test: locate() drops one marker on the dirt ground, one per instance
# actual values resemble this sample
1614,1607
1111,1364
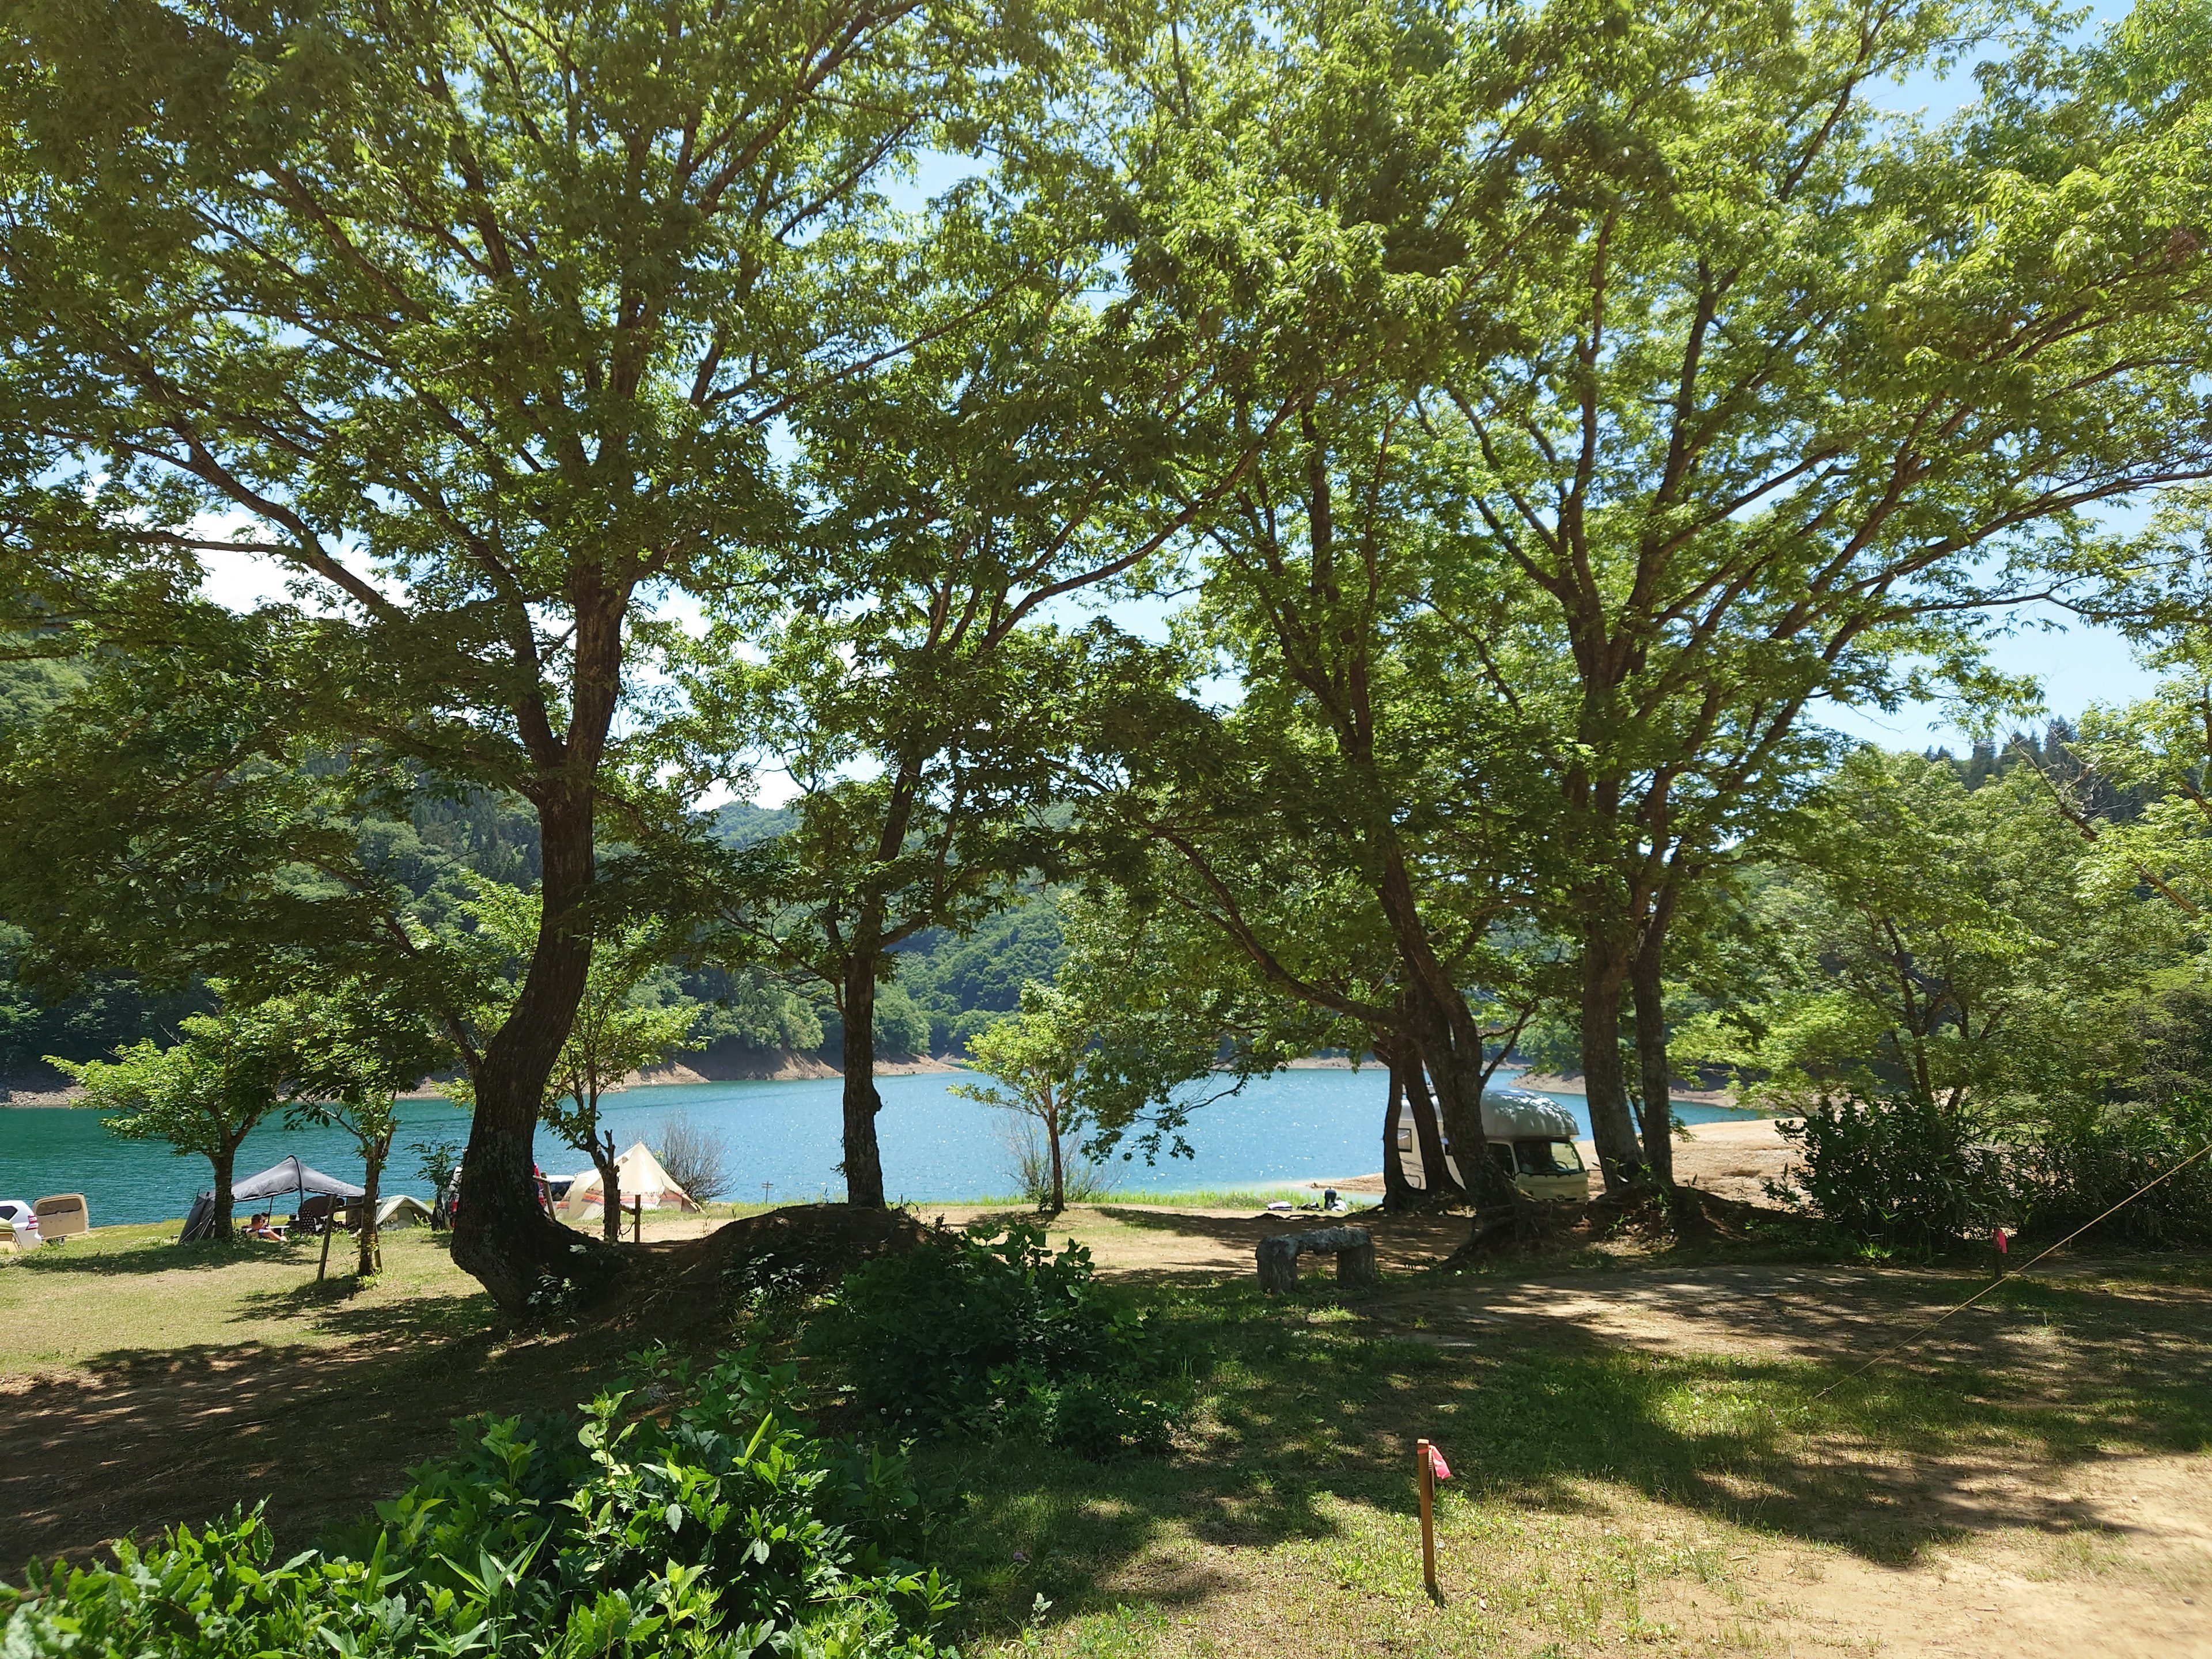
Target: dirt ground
2039,1555
2001,1547
1733,1160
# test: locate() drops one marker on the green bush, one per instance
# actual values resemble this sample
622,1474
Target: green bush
703,1523
2076,1170
1897,1171
996,1334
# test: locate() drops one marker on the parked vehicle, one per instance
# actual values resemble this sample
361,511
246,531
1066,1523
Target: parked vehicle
1531,1137
22,1218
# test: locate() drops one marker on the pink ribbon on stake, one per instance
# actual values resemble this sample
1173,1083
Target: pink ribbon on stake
1437,1467
2002,1247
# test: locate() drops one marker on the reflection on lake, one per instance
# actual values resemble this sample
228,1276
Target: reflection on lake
1303,1125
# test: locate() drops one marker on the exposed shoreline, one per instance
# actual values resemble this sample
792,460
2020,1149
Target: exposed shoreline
1552,1082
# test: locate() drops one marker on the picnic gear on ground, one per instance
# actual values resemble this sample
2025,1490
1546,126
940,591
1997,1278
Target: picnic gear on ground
62,1215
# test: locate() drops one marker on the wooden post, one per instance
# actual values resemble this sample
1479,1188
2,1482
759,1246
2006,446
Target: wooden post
1428,1482
329,1227
637,1220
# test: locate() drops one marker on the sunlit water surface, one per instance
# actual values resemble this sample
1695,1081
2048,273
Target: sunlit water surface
782,1140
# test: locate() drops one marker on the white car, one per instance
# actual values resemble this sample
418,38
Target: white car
21,1216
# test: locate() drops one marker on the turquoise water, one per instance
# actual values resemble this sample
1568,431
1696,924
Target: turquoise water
1294,1126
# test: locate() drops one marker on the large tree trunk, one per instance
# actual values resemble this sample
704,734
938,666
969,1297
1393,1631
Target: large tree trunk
503,1234
1398,1193
1620,1154
1459,1094
864,1157
1403,1057
1451,1051
1650,1002
225,1159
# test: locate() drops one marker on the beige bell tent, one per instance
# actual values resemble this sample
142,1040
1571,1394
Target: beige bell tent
642,1180
401,1210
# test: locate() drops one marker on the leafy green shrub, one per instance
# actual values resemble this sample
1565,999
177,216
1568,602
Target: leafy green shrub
706,1524
2076,1169
1896,1171
998,1336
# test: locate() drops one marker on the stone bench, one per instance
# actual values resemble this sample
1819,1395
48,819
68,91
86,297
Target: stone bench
1352,1247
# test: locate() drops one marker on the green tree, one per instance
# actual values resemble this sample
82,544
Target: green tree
355,1052
202,1094
1037,1054
1937,942
1175,1023
907,684
1348,822
472,323
1781,409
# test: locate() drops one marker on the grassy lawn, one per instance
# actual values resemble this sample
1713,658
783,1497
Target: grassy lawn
1600,1496
122,1289
1674,1485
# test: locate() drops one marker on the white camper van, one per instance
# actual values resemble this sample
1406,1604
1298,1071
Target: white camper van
1533,1138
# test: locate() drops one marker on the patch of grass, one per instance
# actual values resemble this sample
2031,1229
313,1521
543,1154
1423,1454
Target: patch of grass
1606,1494
130,1288
1603,1495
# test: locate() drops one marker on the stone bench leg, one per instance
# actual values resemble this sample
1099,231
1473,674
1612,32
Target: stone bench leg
1279,1263
1355,1266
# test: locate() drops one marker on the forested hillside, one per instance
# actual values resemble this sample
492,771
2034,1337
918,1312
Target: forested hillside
946,986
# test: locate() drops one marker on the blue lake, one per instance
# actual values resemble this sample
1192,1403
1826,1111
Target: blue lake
1293,1127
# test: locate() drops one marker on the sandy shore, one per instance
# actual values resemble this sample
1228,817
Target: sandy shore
1553,1083
1735,1160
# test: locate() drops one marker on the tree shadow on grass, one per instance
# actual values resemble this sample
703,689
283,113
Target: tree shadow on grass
141,1257
139,1441
334,1307
1306,1417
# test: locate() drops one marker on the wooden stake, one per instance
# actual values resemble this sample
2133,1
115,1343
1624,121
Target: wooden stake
1427,1477
329,1227
637,1220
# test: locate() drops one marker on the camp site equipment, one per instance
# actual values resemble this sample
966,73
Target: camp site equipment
639,1175
1429,1467
61,1216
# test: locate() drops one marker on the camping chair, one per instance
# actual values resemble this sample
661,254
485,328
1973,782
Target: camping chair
314,1216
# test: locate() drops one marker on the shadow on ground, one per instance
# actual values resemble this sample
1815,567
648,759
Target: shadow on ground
1403,1242
135,1442
1545,1394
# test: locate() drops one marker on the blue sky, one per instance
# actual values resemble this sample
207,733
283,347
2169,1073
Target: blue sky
2075,662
